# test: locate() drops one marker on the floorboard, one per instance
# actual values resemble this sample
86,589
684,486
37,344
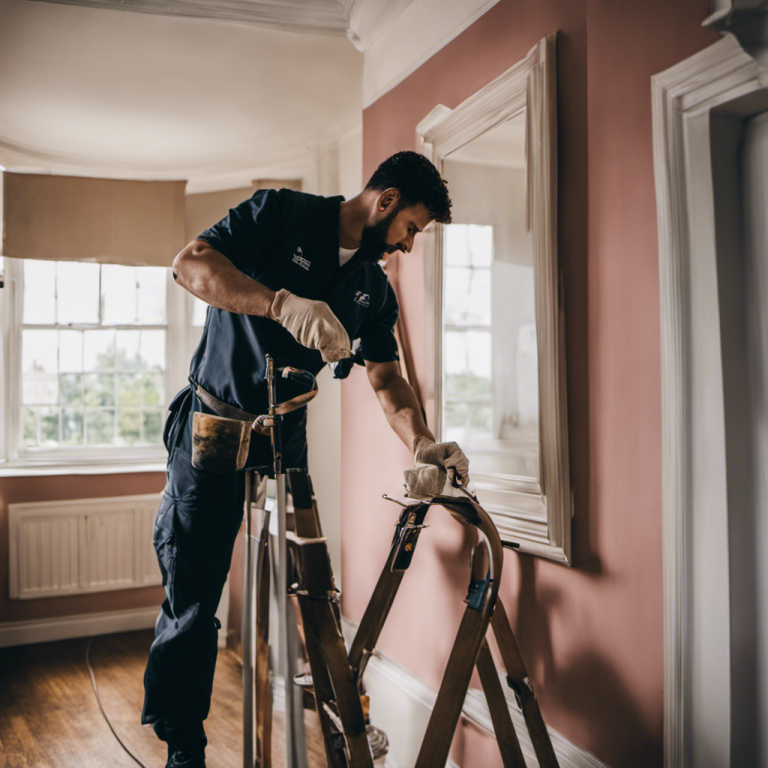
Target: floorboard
49,717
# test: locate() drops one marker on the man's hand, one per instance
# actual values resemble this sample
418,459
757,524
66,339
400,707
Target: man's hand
446,455
313,324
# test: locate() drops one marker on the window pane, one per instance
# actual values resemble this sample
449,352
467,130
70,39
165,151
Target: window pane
153,350
129,386
479,349
39,292
92,386
128,426
99,389
199,310
99,350
71,389
29,427
455,246
77,292
467,294
119,292
71,351
152,286
49,427
467,385
40,390
154,389
100,427
39,367
480,242
72,427
128,357
455,352
153,426
39,352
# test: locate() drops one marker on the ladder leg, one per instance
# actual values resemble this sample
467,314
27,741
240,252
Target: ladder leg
376,612
331,665
246,628
517,676
453,689
263,685
509,746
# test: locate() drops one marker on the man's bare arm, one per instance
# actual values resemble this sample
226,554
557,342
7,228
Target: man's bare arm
398,402
212,277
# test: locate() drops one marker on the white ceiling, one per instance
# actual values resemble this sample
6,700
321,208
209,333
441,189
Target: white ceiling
92,91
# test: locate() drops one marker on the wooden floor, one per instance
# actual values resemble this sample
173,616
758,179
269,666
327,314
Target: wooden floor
49,717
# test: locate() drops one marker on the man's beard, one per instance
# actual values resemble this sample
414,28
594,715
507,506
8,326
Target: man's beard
373,241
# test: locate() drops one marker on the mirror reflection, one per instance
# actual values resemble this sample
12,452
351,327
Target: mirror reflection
490,402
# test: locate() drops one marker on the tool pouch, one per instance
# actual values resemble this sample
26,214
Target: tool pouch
219,444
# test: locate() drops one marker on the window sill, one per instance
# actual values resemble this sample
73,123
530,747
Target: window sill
21,468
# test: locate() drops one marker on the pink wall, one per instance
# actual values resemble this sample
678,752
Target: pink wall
16,490
592,635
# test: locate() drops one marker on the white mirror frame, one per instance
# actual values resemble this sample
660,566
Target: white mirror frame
536,515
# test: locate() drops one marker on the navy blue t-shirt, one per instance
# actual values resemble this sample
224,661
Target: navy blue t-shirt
288,239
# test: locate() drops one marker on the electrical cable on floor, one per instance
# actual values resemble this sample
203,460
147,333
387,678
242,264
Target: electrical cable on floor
98,700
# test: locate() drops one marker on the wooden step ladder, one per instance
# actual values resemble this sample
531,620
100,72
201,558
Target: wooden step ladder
337,676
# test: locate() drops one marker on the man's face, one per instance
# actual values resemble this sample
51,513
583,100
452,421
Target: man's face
395,231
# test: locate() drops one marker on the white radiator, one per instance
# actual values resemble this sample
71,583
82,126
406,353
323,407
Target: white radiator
86,545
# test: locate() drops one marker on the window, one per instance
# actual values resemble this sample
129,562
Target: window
96,351
490,372
467,375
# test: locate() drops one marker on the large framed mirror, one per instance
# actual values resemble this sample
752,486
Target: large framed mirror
495,307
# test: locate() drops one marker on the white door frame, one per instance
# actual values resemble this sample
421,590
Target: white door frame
694,519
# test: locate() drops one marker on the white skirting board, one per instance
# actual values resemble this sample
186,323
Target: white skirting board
85,625
401,705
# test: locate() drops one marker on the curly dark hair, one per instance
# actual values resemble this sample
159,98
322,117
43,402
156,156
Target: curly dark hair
417,180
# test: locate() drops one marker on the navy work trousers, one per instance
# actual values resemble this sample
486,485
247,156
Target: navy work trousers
195,531
197,524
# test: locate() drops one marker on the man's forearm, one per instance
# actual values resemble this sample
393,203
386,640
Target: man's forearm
402,410
212,277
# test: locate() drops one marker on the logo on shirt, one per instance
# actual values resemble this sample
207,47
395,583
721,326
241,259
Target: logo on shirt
298,258
363,299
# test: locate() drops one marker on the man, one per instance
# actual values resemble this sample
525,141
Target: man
273,275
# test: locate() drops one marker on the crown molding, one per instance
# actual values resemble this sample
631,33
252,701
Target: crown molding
318,16
362,21
369,19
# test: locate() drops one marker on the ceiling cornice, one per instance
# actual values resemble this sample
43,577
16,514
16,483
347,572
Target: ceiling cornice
315,16
362,21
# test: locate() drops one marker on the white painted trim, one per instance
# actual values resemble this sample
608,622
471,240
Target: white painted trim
369,19
319,17
88,624
711,78
83,625
538,518
417,34
401,704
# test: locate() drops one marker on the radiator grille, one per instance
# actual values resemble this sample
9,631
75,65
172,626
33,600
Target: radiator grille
88,545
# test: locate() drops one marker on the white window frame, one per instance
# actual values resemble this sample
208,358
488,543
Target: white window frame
535,514
14,460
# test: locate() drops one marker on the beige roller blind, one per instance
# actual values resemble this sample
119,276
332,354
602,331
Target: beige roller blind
84,219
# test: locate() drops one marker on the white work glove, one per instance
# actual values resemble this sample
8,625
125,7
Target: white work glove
312,324
446,455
